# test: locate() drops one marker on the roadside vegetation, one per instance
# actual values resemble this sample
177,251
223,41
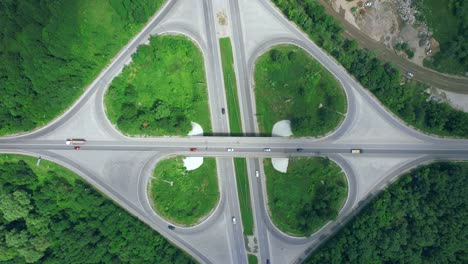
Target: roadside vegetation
448,19
243,191
406,99
291,85
253,259
49,215
162,91
231,87
305,198
184,197
403,46
421,218
51,50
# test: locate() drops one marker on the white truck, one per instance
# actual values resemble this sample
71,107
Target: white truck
75,141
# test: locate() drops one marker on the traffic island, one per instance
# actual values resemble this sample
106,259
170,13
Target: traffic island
162,91
291,85
307,197
181,196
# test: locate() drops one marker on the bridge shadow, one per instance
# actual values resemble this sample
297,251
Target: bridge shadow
216,134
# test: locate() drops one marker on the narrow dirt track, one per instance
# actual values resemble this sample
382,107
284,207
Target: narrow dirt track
439,80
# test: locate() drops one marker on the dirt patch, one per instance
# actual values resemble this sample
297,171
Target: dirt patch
390,22
456,100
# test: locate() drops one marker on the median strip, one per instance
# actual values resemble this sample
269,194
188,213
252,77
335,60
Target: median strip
230,86
244,195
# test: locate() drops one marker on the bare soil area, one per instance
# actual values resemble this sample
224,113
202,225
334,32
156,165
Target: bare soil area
389,22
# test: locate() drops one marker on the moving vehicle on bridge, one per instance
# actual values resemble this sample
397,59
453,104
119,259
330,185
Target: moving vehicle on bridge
75,141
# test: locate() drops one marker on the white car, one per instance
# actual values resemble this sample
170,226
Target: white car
257,173
230,149
234,220
267,149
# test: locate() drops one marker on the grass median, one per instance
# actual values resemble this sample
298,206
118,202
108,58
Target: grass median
305,198
162,91
184,197
291,85
230,86
252,259
244,195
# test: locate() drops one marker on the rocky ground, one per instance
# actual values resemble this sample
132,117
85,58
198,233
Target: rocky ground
390,22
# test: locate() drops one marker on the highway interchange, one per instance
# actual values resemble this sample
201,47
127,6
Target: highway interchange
121,167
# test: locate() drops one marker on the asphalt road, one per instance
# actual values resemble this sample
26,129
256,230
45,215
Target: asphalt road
351,87
225,166
248,120
250,147
243,146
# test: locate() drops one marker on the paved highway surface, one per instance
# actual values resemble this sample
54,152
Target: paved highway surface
425,148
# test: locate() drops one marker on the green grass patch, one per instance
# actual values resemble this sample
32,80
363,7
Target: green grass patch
51,50
421,218
230,86
244,195
403,46
448,19
408,101
305,198
440,18
252,259
161,91
291,85
49,215
193,194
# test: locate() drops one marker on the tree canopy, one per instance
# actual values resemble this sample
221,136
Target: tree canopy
47,214
50,50
405,98
421,218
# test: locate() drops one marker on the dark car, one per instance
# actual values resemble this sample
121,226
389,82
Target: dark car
77,148
171,227
299,150
223,111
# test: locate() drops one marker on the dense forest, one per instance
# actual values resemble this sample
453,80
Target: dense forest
49,215
50,50
421,218
407,100
449,21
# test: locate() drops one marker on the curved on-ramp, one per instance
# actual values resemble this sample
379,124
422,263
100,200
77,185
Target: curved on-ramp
143,196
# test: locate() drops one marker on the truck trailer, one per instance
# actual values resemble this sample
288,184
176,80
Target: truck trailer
75,141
